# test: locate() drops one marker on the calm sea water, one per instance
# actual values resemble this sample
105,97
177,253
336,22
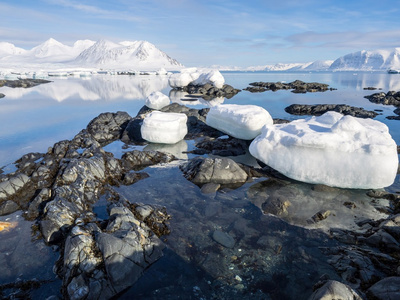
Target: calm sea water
33,119
276,253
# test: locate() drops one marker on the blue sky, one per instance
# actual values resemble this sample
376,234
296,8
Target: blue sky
217,32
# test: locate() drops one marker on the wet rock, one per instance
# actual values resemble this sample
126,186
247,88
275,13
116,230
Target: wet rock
8,207
133,177
2,95
137,159
320,109
333,289
223,238
210,188
382,239
385,289
132,133
223,146
319,216
34,208
108,127
202,170
276,205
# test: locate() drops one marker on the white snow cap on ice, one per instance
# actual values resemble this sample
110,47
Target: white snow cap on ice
197,77
240,121
164,128
157,100
331,149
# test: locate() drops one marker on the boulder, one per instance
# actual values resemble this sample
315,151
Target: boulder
202,170
333,289
385,289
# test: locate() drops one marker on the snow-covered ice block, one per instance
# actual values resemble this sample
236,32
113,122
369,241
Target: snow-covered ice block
197,77
332,149
240,121
157,100
164,128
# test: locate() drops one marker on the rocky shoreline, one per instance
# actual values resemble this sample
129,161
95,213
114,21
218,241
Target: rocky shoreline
101,257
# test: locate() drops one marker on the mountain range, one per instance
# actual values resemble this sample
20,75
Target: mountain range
142,55
138,55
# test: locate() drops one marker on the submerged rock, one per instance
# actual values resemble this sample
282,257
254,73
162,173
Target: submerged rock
333,289
385,289
202,170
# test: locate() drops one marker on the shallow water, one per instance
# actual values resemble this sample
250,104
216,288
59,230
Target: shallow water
277,252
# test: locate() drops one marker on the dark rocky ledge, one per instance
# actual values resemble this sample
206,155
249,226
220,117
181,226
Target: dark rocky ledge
389,98
22,83
208,91
320,109
296,86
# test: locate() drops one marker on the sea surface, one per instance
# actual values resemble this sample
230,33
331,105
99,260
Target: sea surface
277,254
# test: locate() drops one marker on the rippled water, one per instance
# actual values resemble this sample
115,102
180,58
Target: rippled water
277,251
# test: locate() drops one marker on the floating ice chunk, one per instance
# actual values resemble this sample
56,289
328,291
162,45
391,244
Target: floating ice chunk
213,77
240,121
164,128
332,149
162,71
197,77
157,100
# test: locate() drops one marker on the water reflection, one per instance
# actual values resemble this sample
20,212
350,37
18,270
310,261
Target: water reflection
105,87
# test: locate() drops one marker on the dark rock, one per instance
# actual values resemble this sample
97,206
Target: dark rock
2,95
319,216
132,131
333,289
276,205
108,127
8,207
319,109
202,170
210,188
133,177
138,159
385,289
390,98
223,238
22,83
223,146
296,86
208,91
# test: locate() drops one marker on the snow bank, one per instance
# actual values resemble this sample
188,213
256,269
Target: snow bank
240,121
196,77
157,100
164,128
332,149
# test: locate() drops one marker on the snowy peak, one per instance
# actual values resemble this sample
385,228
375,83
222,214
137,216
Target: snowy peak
9,49
51,48
368,61
133,54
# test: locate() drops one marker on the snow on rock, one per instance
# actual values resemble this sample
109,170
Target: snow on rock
240,121
164,128
197,77
331,149
157,100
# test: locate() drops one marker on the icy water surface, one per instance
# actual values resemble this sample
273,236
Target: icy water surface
276,252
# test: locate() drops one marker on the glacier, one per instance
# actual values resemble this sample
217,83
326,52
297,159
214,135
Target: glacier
157,100
164,128
240,121
332,149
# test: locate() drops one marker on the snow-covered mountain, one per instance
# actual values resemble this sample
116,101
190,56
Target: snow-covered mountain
368,61
138,55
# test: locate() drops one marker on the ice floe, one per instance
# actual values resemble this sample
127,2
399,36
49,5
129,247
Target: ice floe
240,121
164,128
331,149
157,100
197,77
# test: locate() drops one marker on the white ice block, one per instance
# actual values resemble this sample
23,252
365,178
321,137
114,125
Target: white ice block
332,149
164,128
197,77
240,121
157,100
